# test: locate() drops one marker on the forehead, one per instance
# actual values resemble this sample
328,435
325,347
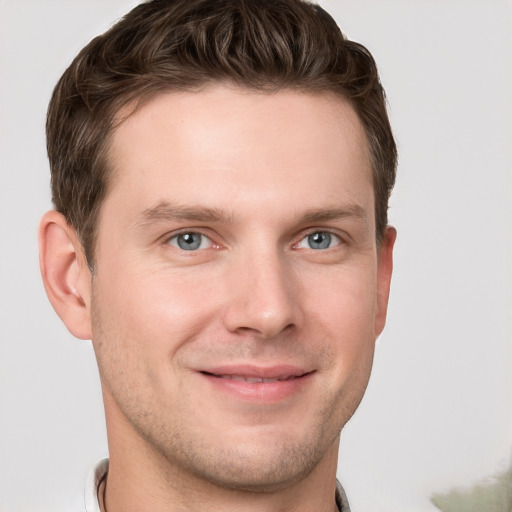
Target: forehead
246,146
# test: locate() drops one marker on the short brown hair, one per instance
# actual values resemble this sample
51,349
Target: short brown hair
184,44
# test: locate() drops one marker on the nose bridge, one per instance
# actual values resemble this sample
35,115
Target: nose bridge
262,296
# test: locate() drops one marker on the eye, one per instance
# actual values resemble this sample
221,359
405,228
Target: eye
190,241
319,240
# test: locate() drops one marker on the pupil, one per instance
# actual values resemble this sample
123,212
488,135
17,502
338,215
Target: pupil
319,240
189,241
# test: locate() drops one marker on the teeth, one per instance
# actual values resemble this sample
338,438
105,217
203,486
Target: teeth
252,379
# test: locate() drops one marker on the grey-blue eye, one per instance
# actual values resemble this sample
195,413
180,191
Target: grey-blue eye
319,240
190,241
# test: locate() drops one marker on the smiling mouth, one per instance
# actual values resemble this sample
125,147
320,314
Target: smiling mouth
262,380
258,385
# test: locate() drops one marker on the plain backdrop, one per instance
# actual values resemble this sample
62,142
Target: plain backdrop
437,413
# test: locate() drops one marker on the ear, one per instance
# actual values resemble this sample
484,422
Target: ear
384,271
66,275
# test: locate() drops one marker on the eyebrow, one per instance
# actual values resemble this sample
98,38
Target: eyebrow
165,211
326,214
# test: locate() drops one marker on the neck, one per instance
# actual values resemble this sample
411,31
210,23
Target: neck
140,479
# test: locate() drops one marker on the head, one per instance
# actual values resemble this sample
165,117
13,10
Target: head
183,46
221,172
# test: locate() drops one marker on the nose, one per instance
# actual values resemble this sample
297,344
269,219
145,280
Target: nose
262,296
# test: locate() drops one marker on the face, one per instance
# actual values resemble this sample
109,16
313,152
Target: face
238,289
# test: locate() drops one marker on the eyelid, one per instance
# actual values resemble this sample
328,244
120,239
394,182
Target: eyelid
342,237
312,231
199,231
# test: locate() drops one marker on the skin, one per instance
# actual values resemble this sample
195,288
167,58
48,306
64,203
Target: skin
256,175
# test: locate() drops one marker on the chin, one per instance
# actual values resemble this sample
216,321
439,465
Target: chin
265,472
266,462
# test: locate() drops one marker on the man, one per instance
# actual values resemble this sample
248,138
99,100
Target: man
220,174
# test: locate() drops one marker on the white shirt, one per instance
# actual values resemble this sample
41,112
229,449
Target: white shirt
97,478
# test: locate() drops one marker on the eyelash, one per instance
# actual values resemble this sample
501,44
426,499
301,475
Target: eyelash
176,236
330,235
213,244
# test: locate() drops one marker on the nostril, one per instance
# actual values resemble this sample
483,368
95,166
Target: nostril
266,332
268,310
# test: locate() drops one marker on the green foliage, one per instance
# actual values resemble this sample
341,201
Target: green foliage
491,495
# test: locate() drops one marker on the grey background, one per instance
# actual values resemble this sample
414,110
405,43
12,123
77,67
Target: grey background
437,413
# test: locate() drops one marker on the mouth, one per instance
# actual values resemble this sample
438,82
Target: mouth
250,383
246,378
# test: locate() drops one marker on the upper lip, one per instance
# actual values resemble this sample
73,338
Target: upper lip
252,372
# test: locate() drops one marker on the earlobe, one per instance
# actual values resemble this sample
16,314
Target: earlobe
66,276
384,271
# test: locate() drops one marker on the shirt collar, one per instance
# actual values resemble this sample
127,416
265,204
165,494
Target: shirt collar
96,477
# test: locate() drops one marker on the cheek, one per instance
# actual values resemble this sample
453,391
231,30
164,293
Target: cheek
341,321
153,312
344,301
138,326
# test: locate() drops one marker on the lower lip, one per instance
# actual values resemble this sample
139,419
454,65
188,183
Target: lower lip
265,392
